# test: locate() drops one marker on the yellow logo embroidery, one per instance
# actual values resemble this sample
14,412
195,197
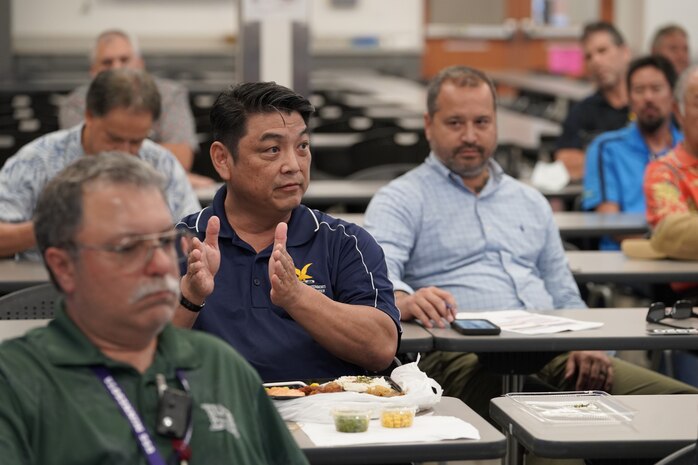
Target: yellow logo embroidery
303,274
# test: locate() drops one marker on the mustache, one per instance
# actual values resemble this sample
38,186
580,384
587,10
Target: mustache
468,146
167,284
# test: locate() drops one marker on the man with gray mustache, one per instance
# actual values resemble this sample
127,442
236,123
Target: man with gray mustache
110,380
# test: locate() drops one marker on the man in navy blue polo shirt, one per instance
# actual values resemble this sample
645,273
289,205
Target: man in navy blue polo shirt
299,294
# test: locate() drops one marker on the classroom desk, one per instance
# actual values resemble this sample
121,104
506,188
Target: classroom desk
623,329
415,339
596,266
555,86
15,275
592,224
15,328
491,444
570,224
321,192
662,425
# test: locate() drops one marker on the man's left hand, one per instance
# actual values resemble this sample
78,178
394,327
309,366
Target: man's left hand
286,289
593,368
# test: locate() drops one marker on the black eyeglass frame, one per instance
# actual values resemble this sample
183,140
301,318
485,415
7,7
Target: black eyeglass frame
681,310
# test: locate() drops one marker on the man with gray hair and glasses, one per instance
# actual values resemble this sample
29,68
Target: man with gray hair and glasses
110,380
121,108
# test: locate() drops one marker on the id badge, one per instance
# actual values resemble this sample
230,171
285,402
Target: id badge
174,413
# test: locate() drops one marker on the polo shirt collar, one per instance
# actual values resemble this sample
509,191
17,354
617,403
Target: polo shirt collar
301,227
496,173
639,140
685,158
66,345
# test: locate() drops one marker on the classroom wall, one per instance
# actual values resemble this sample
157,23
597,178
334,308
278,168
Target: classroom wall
639,19
171,25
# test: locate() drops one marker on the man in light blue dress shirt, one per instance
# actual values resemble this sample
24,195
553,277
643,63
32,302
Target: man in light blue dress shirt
459,233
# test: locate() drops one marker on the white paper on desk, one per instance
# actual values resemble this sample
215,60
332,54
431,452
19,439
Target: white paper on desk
424,429
524,322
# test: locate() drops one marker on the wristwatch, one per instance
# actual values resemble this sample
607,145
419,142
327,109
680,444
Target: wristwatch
192,307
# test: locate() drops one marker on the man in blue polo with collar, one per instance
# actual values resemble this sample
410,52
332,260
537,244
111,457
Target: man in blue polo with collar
299,293
616,160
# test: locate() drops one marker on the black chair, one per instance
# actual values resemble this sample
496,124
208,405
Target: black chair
389,149
32,303
684,456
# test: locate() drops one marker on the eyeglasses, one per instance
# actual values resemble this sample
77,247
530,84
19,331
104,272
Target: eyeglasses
135,252
681,310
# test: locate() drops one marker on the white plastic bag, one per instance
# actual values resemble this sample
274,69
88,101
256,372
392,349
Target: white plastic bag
419,389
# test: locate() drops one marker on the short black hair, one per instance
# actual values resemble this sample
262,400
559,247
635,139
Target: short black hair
233,106
602,26
655,61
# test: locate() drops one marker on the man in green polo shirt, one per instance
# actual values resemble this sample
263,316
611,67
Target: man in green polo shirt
110,380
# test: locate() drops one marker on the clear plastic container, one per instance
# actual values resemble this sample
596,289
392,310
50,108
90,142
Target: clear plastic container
351,420
576,407
398,416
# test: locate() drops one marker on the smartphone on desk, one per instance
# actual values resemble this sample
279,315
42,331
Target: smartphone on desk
475,327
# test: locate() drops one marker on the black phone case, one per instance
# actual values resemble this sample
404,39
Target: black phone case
492,331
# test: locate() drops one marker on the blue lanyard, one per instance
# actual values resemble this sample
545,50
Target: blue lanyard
145,442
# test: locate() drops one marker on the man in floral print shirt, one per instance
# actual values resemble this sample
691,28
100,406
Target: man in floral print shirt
671,182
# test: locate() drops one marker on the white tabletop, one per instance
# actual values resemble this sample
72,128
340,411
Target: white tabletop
15,275
491,444
661,425
623,329
615,267
15,328
557,86
592,224
321,192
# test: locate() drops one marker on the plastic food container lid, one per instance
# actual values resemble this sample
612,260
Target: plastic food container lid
351,420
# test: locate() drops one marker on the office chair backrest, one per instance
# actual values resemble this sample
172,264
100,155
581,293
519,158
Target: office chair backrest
32,303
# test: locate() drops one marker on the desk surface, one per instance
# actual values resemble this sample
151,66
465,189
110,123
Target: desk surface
557,86
662,425
571,224
321,192
15,328
592,224
15,275
615,267
415,339
491,444
623,329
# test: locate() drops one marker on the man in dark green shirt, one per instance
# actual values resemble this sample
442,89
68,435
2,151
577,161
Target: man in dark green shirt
110,381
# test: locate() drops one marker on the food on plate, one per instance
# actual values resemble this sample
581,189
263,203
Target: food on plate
351,420
382,391
321,388
374,385
397,417
284,391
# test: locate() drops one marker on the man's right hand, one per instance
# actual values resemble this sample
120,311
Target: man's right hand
204,259
429,305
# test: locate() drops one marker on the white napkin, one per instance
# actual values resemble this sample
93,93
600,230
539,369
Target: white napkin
424,429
